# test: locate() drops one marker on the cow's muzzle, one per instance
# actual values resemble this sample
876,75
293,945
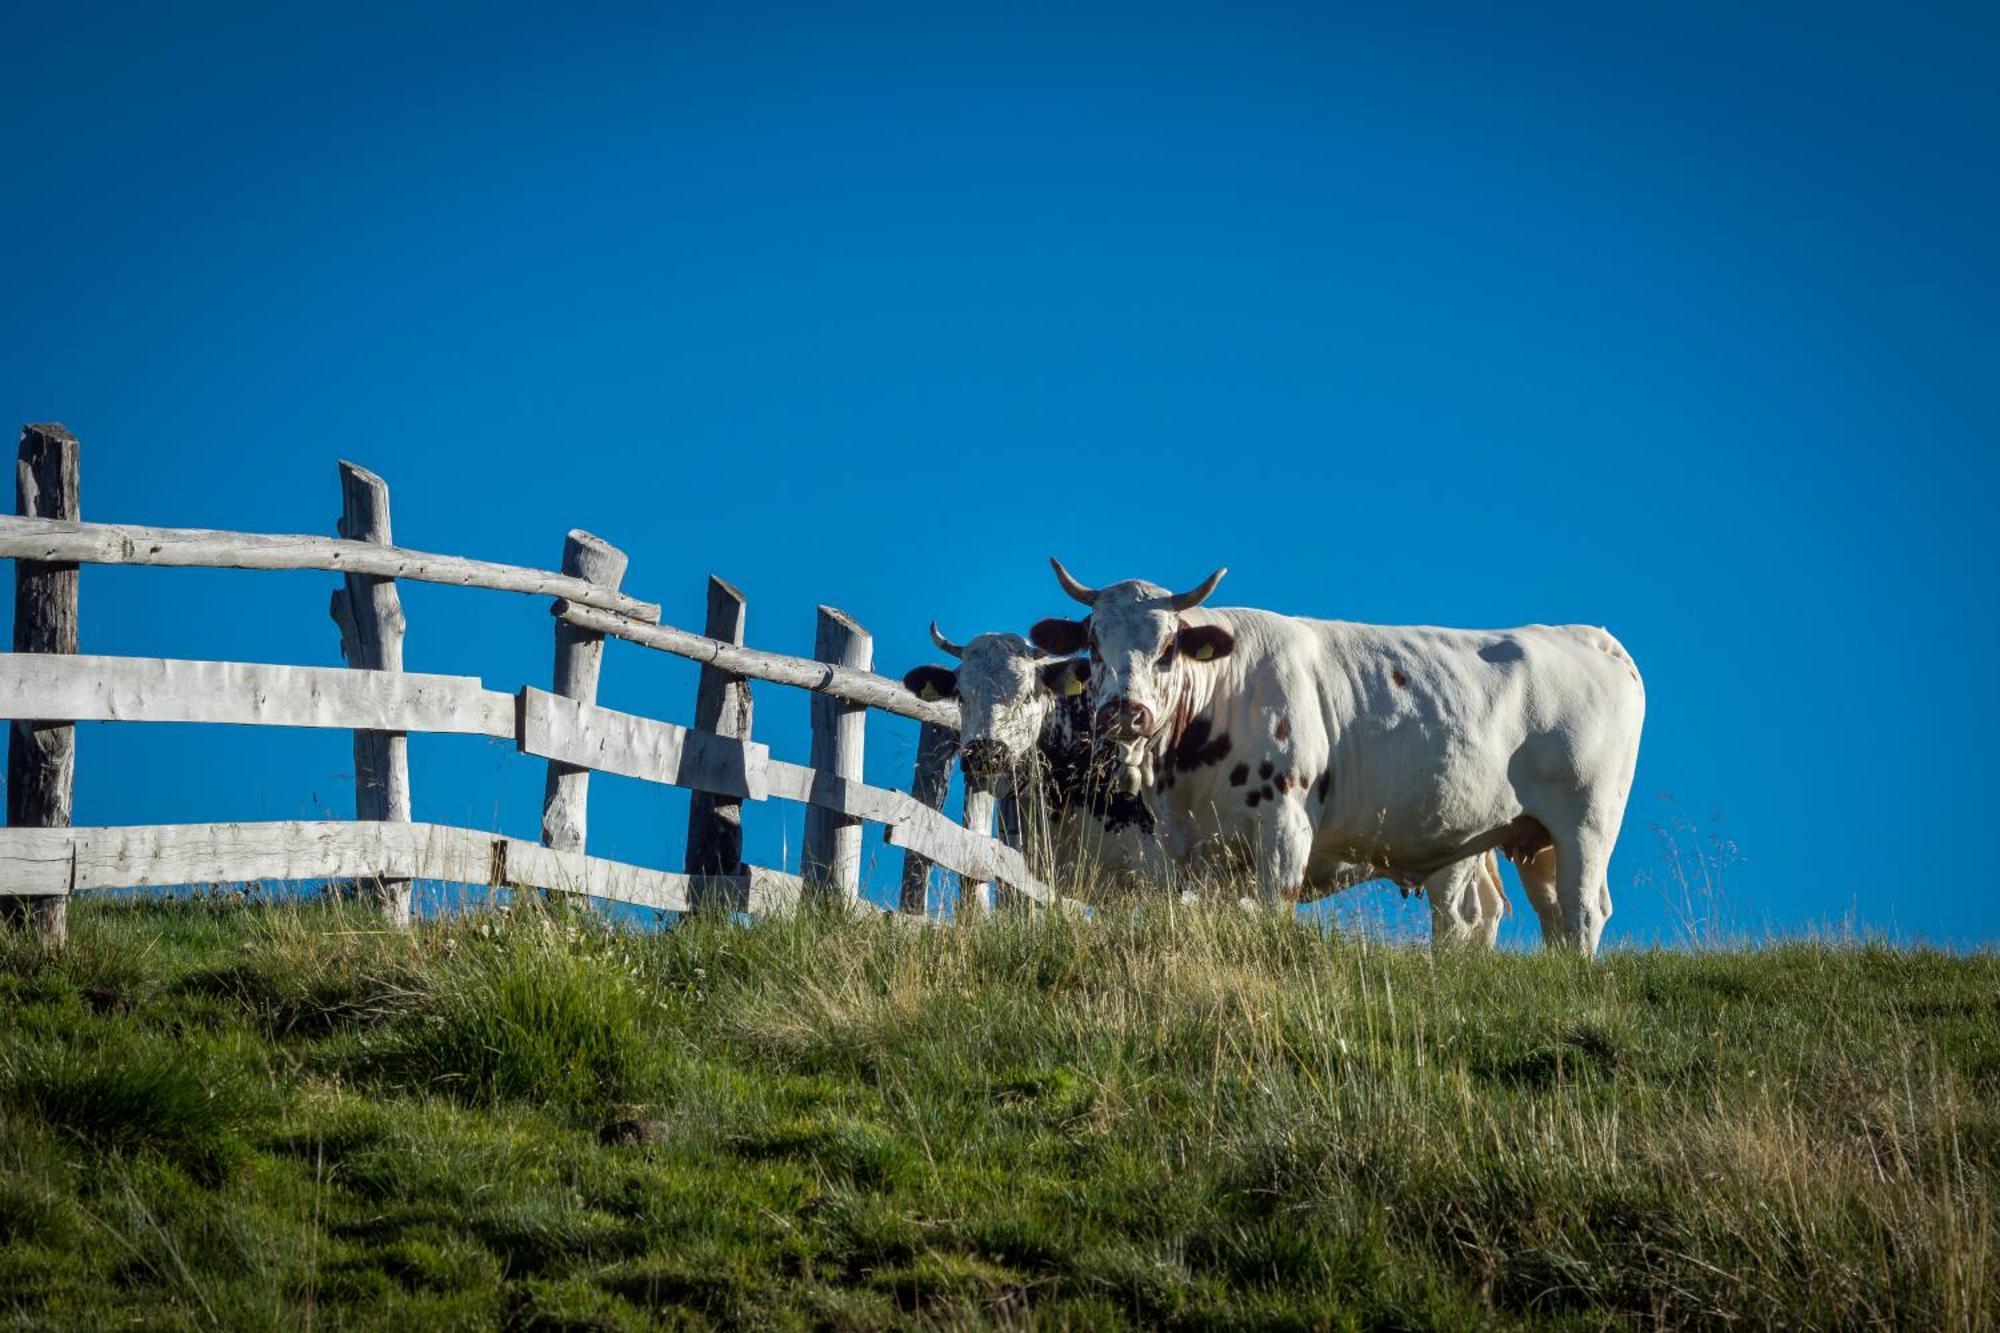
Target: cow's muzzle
985,759
1124,720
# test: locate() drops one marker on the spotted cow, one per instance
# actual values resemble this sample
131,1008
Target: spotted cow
1335,752
1023,712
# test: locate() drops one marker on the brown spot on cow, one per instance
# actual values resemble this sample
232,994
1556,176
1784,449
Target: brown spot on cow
1282,729
1197,748
1239,775
1283,783
1396,674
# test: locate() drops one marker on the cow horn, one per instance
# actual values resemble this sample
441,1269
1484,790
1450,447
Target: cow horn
1083,592
944,644
1188,601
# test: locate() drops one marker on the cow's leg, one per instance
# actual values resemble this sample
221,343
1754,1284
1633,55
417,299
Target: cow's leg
1457,909
1538,882
1583,858
1284,846
1492,899
1467,901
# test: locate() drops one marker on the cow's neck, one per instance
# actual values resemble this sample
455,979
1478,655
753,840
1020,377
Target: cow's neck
1186,702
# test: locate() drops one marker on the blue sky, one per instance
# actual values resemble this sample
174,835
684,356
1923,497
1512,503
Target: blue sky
1679,321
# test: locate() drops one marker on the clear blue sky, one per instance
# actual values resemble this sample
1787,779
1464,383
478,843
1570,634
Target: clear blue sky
1676,320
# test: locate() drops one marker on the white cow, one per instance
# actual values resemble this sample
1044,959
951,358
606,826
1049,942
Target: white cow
1336,753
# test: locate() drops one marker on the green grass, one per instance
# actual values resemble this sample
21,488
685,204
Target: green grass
216,1113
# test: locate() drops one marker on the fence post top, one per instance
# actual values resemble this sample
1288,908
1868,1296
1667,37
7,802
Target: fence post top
841,617
356,472
49,430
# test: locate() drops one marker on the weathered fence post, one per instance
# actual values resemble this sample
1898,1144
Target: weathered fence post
579,661
975,896
832,855
41,755
370,616
932,779
722,705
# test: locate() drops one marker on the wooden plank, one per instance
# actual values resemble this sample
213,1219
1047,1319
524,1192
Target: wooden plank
832,846
579,656
609,741
91,688
929,782
857,687
370,616
59,861
44,539
530,865
41,746
722,707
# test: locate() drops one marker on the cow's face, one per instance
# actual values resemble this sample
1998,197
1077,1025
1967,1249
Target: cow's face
1139,646
1005,688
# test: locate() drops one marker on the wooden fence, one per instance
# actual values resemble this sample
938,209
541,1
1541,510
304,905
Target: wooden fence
47,686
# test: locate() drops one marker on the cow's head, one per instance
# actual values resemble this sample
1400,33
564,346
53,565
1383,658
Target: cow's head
1005,687
1139,647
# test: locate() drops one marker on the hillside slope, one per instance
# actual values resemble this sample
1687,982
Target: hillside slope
220,1113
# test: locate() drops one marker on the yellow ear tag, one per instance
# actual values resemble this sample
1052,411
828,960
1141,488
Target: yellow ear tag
929,693
1072,687
1203,653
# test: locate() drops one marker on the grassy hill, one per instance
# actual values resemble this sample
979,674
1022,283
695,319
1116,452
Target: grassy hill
219,1113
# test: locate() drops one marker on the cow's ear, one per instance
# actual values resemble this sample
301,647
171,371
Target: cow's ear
1068,678
1059,636
1205,643
931,683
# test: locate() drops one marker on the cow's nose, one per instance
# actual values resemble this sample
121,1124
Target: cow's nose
983,757
1124,718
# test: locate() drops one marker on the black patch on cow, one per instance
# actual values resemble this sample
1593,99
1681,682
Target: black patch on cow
1074,774
1252,798
1325,784
942,682
1282,730
1283,782
1264,769
1239,775
1205,643
1266,792
1062,637
1197,748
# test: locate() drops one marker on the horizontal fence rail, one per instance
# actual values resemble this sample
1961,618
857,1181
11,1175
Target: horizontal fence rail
55,541
87,688
95,688
856,687
56,861
609,741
